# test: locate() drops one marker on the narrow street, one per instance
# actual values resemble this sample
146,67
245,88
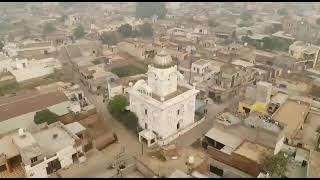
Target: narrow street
126,138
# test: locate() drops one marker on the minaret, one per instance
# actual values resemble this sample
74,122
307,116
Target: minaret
163,75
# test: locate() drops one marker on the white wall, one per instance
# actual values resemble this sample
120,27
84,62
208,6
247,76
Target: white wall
118,90
65,156
278,146
163,81
164,122
39,170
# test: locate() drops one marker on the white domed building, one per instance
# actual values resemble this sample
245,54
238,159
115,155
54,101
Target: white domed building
164,104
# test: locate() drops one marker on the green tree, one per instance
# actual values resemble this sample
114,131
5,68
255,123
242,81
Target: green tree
245,16
268,43
117,105
109,38
48,28
146,30
135,33
283,12
45,116
148,9
125,30
276,165
117,108
245,24
78,32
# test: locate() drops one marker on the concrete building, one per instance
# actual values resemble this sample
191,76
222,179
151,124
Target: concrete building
202,70
256,99
293,114
304,51
163,106
25,70
45,151
95,77
137,48
230,80
239,146
114,88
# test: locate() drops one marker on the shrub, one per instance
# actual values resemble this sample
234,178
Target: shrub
117,109
45,116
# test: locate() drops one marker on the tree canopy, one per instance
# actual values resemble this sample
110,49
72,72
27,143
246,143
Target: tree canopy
45,116
79,32
245,16
276,165
117,108
48,28
118,105
109,38
146,30
283,12
125,30
267,43
148,9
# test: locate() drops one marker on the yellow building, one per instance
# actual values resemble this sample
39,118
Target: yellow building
245,107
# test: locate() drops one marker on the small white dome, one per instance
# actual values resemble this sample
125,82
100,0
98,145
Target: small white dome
163,59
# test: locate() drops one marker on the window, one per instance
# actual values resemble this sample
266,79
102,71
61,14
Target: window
146,111
178,111
34,159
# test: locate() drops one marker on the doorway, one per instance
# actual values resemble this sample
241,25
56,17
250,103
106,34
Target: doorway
80,96
216,170
53,166
304,163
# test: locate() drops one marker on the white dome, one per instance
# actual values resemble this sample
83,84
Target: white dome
163,59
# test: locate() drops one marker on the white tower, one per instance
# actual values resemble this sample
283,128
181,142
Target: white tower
163,75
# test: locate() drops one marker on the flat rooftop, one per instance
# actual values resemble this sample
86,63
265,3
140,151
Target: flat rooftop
53,139
7,147
293,115
263,137
30,104
254,152
224,138
201,62
180,90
